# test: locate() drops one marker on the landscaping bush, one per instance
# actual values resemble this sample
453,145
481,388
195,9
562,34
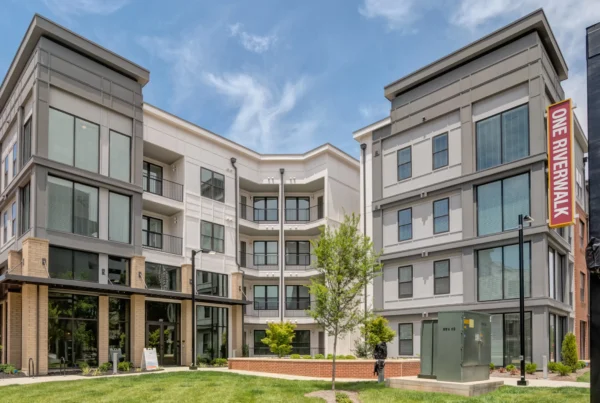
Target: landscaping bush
306,357
361,349
510,368
531,368
569,351
553,366
279,337
330,356
245,351
342,398
492,366
124,366
105,367
502,370
86,370
203,360
82,365
219,362
9,369
350,357
295,356
563,369
581,365
319,357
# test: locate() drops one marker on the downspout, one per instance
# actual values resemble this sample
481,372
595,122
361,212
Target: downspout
363,147
281,245
237,242
37,336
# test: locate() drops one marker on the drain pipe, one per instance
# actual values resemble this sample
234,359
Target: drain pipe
281,246
363,147
237,242
37,336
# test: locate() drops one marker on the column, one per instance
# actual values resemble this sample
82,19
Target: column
138,272
34,327
103,355
186,278
237,324
35,257
15,264
186,332
13,340
137,328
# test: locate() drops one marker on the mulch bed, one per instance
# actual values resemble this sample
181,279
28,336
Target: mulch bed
11,376
552,376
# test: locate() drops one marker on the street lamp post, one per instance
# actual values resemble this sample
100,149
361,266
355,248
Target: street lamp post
526,218
194,253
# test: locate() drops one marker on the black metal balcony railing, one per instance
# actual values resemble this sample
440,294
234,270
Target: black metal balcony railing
255,214
163,242
269,261
304,215
163,187
296,307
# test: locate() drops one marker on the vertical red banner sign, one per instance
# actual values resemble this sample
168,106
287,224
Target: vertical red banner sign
561,197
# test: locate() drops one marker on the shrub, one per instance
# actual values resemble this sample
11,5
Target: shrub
342,398
581,365
350,357
9,369
203,360
510,368
563,369
306,357
361,349
295,356
319,357
86,370
330,356
82,365
219,362
280,337
376,330
569,351
514,371
502,370
245,351
553,366
124,366
492,366
105,367
531,368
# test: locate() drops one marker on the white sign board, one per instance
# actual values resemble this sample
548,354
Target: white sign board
149,359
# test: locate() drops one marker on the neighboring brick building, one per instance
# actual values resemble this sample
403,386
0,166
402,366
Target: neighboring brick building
580,275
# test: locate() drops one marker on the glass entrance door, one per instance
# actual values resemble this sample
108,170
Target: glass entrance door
163,337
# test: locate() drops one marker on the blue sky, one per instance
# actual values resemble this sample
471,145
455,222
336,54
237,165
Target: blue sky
283,76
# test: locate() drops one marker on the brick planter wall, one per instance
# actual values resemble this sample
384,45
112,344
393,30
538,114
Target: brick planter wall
358,369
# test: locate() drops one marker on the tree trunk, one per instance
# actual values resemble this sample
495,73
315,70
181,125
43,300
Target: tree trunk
335,338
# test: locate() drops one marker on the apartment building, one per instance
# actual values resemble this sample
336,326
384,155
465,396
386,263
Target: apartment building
461,155
104,198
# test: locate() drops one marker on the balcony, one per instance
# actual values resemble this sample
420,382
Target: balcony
162,187
296,308
266,262
304,215
162,242
259,215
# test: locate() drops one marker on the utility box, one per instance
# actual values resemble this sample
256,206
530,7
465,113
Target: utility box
456,347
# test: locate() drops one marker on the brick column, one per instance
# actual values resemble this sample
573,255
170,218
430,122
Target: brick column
103,329
236,285
43,330
186,332
34,252
236,331
137,328
34,333
186,278
15,265
13,342
138,265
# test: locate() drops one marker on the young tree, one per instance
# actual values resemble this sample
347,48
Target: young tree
279,337
376,330
569,351
346,262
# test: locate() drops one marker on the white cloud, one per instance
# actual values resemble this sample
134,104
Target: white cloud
81,7
398,14
373,112
262,121
252,43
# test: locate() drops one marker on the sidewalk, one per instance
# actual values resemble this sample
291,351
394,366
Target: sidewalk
543,383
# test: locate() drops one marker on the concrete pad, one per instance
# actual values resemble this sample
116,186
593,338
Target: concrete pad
466,389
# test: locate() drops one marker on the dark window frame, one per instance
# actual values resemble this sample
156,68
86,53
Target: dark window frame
121,322
398,164
25,208
146,178
405,225
295,303
73,183
264,254
297,261
128,274
400,295
212,236
435,218
73,265
582,287
436,277
265,209
130,215
581,233
211,185
297,209
400,339
218,282
265,299
26,148
158,235
445,150
13,213
14,155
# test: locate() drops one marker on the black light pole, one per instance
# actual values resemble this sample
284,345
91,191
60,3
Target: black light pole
194,252
526,218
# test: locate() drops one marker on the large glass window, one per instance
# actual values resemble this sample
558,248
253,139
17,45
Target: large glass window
440,151
265,209
213,237
68,264
441,216
152,181
265,253
582,287
405,282
13,217
405,224
557,275
26,149
297,253
74,207
499,204
118,328
404,163
118,270
498,272
152,232
213,185
301,342
119,221
259,347
506,340
163,277
73,141
120,156
266,297
441,274
14,160
72,329
297,297
503,138
297,209
211,332
209,283
405,339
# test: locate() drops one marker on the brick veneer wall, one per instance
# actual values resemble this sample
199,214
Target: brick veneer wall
358,369
581,308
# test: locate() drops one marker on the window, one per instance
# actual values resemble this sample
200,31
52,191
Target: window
297,209
297,253
120,157
582,287
152,181
5,228
505,338
405,224
119,211
259,347
557,275
14,165
498,272
26,150
582,339
404,163
25,208
440,151
118,327
265,209
213,237
213,185
405,282
74,207
68,264
266,297
152,232
163,277
499,204
405,338
14,219
212,330
503,138
441,216
441,274
581,234
301,342
557,331
208,283
297,297
73,141
5,172
579,185
118,270
265,253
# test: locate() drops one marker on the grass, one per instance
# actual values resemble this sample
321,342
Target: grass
205,386
585,377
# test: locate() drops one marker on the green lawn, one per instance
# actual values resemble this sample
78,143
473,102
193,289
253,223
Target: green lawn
585,377
222,387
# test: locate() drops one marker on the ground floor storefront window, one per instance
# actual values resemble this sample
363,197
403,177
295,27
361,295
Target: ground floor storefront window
557,331
118,328
72,329
259,347
506,341
162,331
211,332
301,342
